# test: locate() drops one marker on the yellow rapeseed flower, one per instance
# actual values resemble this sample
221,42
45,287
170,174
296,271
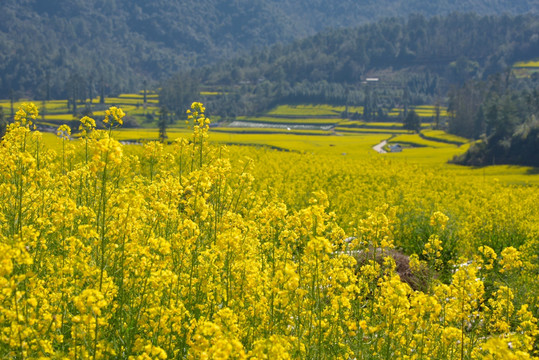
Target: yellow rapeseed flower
114,116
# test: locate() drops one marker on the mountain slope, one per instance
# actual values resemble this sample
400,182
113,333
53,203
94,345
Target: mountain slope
416,60
44,44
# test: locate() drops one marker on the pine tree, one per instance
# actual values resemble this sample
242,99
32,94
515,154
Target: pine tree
162,124
412,121
3,123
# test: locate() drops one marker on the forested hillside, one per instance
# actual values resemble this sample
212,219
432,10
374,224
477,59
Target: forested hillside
49,47
503,112
416,60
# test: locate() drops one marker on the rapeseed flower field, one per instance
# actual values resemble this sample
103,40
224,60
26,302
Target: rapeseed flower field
197,250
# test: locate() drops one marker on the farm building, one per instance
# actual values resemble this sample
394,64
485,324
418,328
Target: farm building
395,148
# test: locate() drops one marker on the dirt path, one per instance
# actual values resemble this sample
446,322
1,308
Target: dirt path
380,147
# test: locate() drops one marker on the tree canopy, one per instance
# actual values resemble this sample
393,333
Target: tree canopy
43,44
416,60
503,113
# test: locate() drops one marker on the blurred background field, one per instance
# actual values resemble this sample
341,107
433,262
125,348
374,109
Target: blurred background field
305,129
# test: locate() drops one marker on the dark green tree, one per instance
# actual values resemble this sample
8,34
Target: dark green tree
11,101
91,90
162,123
145,85
504,118
463,105
102,90
3,123
412,121
177,94
76,89
43,110
437,114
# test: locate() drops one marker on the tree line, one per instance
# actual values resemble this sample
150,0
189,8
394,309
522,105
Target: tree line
503,114
417,61
45,43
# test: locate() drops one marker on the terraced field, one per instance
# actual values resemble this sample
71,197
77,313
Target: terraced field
366,130
424,111
303,111
327,118
525,69
527,64
442,136
56,112
352,145
290,119
288,127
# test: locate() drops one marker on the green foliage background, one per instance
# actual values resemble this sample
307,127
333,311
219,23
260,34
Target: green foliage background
117,44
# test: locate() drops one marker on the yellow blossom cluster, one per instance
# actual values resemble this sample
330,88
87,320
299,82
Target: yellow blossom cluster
87,125
179,252
113,116
26,115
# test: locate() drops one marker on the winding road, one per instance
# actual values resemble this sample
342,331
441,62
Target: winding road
380,147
